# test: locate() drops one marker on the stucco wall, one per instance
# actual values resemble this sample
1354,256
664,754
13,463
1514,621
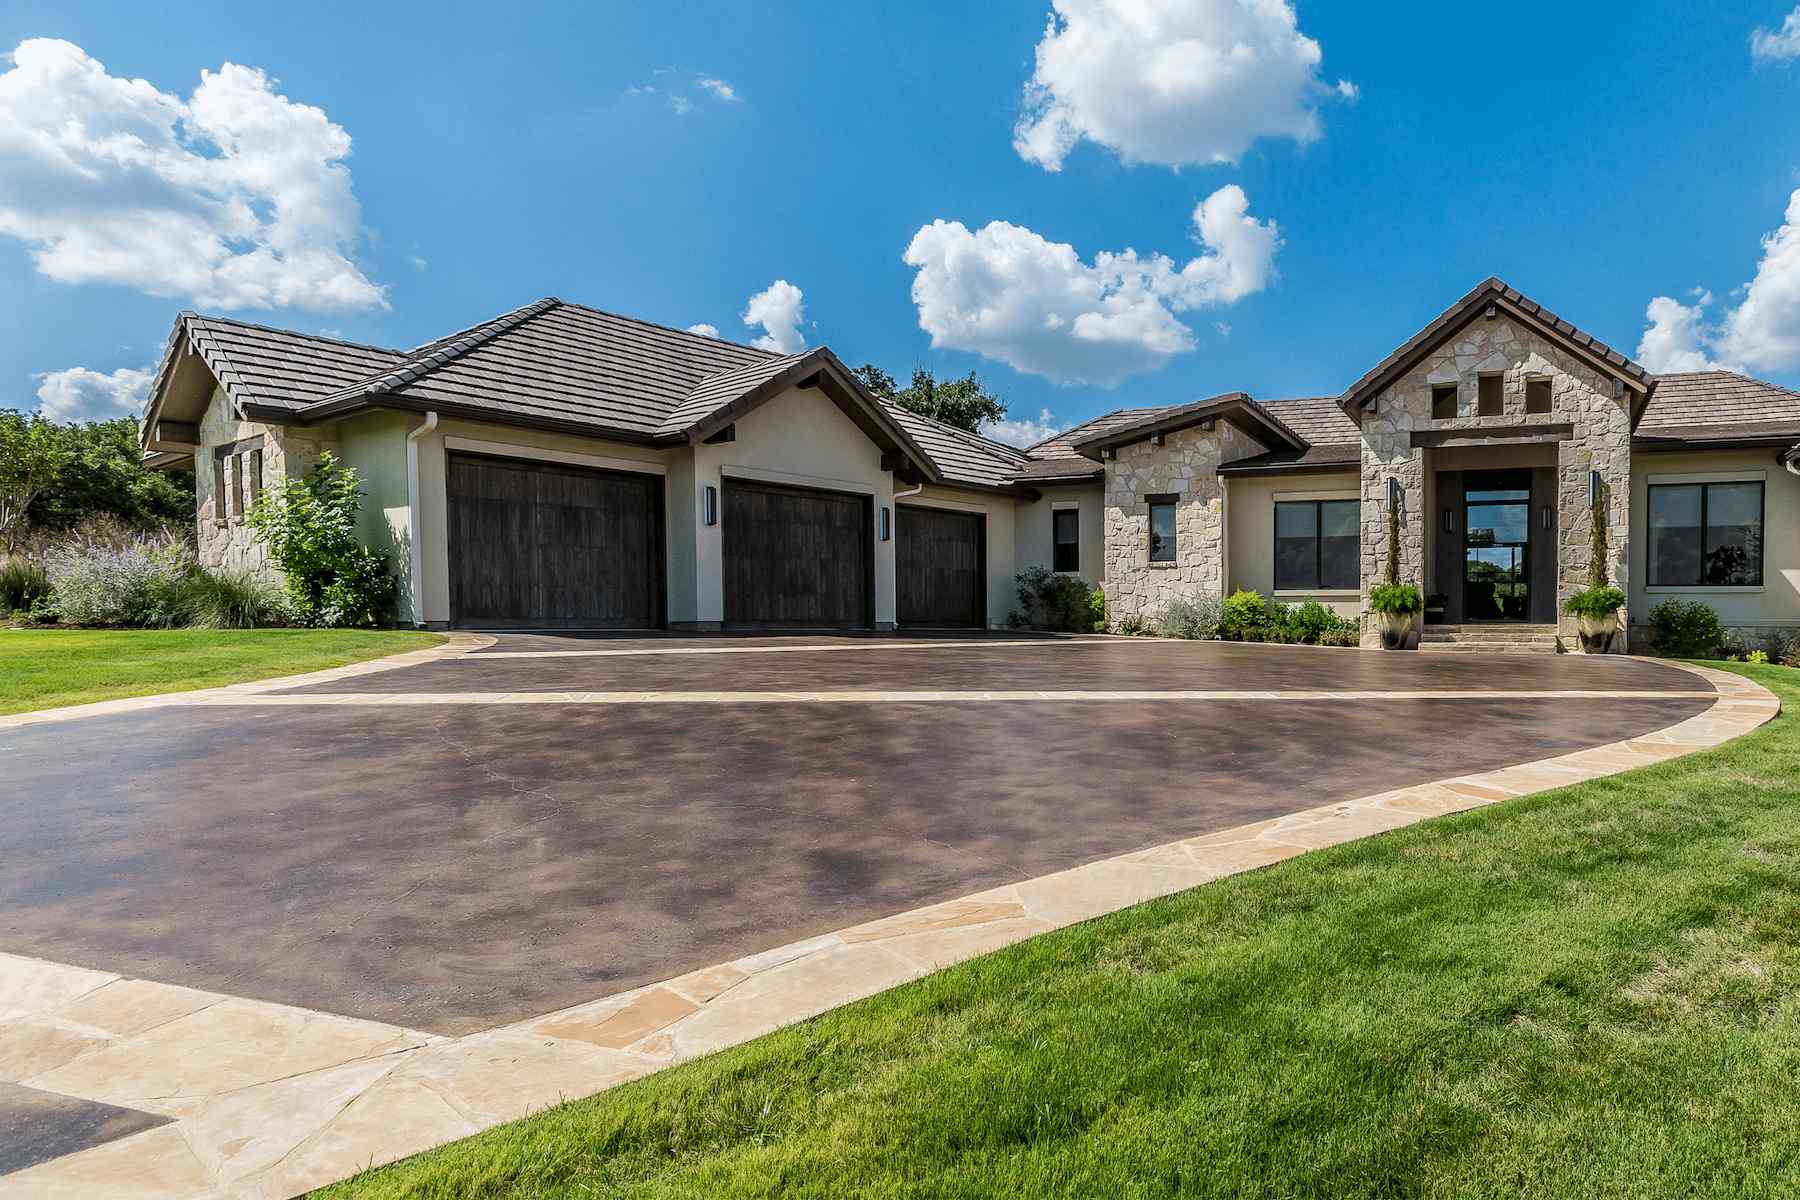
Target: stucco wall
1754,612
1034,529
1580,396
1187,465
374,445
803,439
1000,526
1250,536
226,542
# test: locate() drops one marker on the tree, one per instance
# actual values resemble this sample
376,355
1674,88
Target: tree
33,456
964,403
105,476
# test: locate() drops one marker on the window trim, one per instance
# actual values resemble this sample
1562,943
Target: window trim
1155,500
1057,515
1705,485
1318,539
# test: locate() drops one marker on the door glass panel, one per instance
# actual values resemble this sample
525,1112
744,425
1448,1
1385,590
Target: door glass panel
1499,524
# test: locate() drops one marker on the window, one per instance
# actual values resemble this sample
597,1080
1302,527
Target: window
1318,545
1706,534
1066,533
1443,402
1537,395
231,500
1162,529
254,461
1490,396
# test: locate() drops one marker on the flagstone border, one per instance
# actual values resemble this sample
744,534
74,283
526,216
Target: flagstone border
271,1101
455,645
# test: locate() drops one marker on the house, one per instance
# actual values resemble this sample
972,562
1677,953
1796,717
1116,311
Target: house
559,466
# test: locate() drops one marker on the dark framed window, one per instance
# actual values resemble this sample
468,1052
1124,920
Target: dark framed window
1066,536
1706,534
1318,545
1162,528
1443,402
1490,396
1537,396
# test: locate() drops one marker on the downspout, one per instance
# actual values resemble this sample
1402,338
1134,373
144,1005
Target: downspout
416,547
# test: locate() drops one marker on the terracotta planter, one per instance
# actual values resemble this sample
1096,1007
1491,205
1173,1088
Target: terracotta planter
1597,632
1399,631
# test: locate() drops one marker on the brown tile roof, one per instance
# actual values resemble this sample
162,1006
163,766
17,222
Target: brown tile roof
1318,419
1061,445
1446,324
1329,456
279,368
1698,398
1236,407
960,457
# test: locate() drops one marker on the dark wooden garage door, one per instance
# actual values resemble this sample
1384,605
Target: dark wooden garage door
797,558
540,545
940,567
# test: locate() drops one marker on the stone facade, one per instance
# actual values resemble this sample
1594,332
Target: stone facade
1187,465
1581,397
225,540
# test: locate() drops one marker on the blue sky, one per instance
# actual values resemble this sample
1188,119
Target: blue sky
1596,156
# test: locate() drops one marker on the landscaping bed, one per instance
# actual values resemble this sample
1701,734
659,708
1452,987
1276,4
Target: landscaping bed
1589,991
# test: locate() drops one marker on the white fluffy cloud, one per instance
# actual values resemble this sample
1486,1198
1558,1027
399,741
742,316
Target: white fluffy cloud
1022,431
234,198
78,394
780,309
1009,294
1171,81
1762,332
704,330
721,91
1777,45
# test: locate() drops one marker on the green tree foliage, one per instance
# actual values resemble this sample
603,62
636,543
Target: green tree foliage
964,403
309,526
59,477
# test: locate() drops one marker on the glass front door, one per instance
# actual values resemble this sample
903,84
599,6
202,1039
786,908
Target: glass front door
1496,546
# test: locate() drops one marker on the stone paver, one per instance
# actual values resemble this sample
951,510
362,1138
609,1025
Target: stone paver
271,1101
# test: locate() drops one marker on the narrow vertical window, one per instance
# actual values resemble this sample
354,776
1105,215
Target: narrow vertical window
255,461
1490,396
228,501
1443,402
1066,532
1162,529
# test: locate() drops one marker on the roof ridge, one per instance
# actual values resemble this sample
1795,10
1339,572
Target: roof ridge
479,335
1111,412
684,332
189,314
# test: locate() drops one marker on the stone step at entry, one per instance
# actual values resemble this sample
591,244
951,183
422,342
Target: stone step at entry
1489,639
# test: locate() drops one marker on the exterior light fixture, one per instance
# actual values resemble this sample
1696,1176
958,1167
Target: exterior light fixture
1594,487
887,522
709,505
1546,517
1396,494
1449,520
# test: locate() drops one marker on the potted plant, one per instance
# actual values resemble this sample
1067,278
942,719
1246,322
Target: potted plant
1397,607
1596,606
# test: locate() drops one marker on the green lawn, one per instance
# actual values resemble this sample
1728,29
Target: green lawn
48,668
1593,992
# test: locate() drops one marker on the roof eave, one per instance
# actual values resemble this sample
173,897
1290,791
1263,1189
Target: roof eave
1237,408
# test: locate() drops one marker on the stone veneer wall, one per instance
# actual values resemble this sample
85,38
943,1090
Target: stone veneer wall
1580,396
288,450
1186,464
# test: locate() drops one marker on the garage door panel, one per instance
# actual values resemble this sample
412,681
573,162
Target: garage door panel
940,567
544,545
795,557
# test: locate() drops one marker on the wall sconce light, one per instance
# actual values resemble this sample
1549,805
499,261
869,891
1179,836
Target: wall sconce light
1595,486
1449,520
1547,518
887,522
1396,494
709,504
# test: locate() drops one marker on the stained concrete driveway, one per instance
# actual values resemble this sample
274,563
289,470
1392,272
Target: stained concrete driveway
609,813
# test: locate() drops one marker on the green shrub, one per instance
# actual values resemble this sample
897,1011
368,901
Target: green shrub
1196,619
1686,629
92,583
1345,633
1133,626
1097,610
1396,598
1311,621
1595,602
1060,603
1244,612
23,584
227,600
309,526
1278,623
1758,658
